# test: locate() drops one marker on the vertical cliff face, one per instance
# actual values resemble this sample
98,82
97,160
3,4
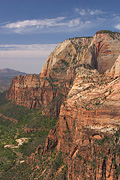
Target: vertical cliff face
92,103
89,116
50,88
24,90
103,50
88,119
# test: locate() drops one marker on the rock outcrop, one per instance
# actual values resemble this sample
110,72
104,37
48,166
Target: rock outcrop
103,50
50,88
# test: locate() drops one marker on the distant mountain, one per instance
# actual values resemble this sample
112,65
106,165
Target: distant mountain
6,75
10,72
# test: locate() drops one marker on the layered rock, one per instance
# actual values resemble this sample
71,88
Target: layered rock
92,103
24,90
103,50
90,114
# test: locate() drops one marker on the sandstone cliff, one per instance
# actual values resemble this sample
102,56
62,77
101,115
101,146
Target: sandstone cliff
48,89
90,112
75,84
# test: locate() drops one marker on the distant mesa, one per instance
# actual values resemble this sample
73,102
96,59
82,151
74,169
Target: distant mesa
11,72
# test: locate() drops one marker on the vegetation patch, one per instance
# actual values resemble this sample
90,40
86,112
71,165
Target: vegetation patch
106,31
30,124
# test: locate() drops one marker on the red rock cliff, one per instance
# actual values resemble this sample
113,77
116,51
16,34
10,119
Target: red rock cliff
50,88
89,116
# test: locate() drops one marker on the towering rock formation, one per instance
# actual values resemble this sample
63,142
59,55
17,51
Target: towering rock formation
50,88
75,84
103,50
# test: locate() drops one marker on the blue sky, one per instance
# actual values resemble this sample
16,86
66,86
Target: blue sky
31,29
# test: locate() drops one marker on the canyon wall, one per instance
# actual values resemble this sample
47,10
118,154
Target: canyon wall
80,82
88,120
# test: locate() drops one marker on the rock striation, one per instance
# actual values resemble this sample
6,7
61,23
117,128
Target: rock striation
80,82
90,113
103,50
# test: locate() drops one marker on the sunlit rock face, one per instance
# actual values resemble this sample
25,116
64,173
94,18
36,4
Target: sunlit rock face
103,51
49,89
115,70
90,112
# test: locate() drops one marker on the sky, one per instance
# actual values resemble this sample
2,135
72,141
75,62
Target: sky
31,29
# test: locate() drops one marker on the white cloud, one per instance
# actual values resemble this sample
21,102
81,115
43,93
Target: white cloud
36,22
33,26
59,24
87,12
74,22
117,26
95,12
82,12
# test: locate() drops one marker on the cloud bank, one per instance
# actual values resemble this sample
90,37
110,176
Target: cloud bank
38,25
25,57
79,19
58,24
